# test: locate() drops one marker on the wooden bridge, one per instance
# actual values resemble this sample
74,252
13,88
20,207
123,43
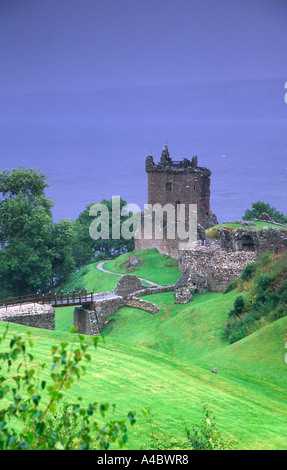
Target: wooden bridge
56,300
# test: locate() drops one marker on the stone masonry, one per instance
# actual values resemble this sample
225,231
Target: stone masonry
176,182
258,241
188,284
218,267
223,261
92,320
33,315
128,284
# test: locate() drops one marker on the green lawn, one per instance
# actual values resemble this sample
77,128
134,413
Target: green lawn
164,362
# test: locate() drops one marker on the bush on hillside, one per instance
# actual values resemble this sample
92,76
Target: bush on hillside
265,282
238,307
265,302
248,271
233,285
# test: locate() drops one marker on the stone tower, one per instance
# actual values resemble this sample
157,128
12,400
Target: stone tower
176,182
184,182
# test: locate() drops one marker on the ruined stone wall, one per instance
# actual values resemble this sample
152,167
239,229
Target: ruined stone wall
127,284
218,267
141,304
154,290
270,239
92,320
33,315
173,182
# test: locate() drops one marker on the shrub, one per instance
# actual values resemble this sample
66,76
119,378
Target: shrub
265,259
203,436
279,312
206,436
265,282
248,271
238,306
260,299
233,285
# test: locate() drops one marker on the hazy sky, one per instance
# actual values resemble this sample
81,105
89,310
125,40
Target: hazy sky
89,44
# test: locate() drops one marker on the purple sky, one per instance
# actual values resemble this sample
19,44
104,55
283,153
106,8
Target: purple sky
48,45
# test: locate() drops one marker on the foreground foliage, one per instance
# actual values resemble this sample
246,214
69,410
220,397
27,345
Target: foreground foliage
32,413
203,436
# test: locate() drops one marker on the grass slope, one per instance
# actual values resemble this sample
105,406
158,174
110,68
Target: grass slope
164,362
153,266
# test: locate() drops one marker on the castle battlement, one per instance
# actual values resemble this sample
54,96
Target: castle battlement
166,164
175,182
180,182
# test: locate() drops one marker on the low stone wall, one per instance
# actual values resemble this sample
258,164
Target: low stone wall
218,267
92,320
189,283
33,315
142,305
153,290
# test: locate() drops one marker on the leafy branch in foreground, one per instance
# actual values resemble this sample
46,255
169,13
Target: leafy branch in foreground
31,416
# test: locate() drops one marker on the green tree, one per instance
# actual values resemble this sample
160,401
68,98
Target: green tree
62,242
35,254
29,182
25,256
259,208
87,249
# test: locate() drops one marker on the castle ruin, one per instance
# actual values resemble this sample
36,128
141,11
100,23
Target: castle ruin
173,183
214,263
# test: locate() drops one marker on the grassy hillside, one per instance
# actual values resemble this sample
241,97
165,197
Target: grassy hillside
164,362
153,266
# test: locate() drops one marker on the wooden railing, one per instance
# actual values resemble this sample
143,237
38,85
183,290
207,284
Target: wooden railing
56,299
